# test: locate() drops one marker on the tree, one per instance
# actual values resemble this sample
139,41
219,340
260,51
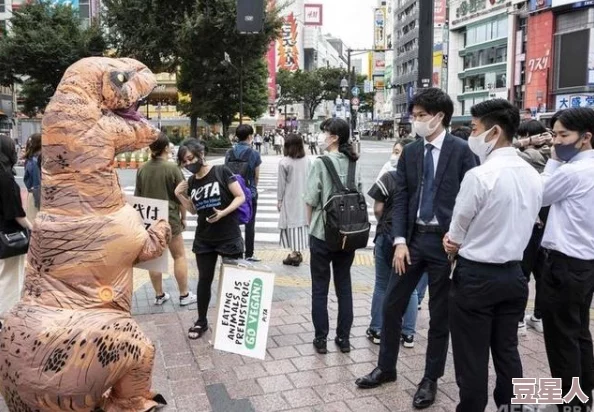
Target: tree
198,34
310,88
44,40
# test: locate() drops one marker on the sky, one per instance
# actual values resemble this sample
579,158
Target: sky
350,20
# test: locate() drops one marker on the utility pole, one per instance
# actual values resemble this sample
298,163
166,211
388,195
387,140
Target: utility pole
241,91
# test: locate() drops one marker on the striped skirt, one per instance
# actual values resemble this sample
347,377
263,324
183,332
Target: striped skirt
295,238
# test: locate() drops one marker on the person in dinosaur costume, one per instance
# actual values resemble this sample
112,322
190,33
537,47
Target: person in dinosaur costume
71,344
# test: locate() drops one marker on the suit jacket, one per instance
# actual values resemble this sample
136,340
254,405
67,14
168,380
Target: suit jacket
455,159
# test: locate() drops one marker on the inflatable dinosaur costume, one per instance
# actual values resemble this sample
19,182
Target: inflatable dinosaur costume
71,344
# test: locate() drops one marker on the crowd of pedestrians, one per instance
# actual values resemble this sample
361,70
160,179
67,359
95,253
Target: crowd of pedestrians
470,214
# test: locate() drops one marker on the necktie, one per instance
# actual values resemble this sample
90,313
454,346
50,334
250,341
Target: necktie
426,212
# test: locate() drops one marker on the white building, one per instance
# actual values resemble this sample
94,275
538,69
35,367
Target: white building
480,64
321,50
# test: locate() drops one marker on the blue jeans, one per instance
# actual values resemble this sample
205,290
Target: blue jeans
384,252
422,286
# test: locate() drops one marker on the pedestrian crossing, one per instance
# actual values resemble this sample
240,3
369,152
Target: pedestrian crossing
267,215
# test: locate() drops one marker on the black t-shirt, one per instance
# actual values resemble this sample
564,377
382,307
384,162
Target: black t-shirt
211,193
383,191
11,205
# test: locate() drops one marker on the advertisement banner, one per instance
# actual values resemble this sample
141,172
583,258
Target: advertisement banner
557,3
539,5
439,12
288,49
243,311
566,101
151,211
463,12
379,25
271,63
379,82
540,33
379,63
314,14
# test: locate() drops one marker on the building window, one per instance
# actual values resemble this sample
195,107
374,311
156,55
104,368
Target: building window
2,6
474,83
496,29
84,8
484,57
500,81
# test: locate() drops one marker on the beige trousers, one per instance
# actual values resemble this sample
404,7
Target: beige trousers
12,276
31,209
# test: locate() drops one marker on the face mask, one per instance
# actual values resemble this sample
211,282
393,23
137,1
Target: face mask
394,160
325,145
566,152
425,129
194,167
481,148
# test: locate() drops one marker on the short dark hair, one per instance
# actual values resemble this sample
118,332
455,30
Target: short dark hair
158,146
498,112
195,146
434,100
462,132
577,119
403,141
8,154
530,128
244,131
339,127
294,146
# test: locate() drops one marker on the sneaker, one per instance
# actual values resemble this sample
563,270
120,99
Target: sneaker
343,344
534,323
373,336
320,345
159,300
408,341
419,307
522,329
253,259
188,299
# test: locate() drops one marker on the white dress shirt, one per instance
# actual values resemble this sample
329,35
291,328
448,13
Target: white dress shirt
437,145
569,190
496,208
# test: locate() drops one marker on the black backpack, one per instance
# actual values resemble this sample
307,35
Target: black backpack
347,222
239,165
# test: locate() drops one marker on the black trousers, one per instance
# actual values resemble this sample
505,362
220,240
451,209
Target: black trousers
486,302
427,255
320,261
533,260
250,230
567,287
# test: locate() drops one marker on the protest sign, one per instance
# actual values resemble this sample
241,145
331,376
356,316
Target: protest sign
243,311
151,211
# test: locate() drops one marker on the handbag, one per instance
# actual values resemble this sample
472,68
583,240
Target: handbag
13,243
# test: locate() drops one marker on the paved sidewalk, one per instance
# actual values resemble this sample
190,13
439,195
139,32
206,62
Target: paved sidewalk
192,376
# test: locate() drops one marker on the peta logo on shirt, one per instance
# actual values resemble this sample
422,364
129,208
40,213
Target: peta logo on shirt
206,196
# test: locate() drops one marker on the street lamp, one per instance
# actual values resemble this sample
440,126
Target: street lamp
239,69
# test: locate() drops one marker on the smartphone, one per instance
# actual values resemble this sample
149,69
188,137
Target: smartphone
211,217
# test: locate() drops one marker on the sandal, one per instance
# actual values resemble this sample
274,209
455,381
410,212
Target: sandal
196,331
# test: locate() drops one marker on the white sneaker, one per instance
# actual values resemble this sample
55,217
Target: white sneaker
522,329
188,300
534,323
159,300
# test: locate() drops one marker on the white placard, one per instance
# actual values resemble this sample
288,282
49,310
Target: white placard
243,311
151,211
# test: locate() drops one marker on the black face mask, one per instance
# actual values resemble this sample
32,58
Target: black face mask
194,167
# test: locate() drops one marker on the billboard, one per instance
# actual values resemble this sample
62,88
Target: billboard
463,12
288,47
539,50
379,24
439,12
271,62
557,3
379,63
313,14
539,5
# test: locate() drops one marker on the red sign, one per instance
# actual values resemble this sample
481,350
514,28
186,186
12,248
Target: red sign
288,52
439,12
539,52
271,61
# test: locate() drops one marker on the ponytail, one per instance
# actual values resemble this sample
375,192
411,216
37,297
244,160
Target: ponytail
339,127
348,149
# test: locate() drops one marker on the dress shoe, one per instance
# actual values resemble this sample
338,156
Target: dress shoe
320,345
425,395
343,344
375,379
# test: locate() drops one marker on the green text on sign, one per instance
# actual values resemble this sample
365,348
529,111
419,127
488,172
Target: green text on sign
253,314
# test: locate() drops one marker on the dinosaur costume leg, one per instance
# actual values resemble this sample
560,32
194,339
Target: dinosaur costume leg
71,344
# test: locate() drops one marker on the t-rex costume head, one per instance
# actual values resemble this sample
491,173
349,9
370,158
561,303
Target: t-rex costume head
71,344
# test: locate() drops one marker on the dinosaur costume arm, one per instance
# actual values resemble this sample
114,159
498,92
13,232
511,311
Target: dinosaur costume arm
158,236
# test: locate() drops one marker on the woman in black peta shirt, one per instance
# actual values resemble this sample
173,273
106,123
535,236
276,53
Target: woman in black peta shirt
214,194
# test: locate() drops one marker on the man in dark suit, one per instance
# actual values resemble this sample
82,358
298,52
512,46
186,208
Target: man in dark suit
429,175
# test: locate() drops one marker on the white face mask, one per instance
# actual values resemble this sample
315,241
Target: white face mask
425,129
480,147
394,160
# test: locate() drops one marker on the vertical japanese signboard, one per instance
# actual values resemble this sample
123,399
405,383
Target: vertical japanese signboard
288,48
379,24
271,61
151,211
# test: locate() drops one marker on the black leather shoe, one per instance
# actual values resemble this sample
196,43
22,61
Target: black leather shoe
343,344
375,379
425,395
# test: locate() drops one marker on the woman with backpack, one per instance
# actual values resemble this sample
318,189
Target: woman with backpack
213,193
320,189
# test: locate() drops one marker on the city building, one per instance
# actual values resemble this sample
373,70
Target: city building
479,64
322,50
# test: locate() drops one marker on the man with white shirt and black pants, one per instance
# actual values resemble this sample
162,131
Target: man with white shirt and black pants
568,241
492,223
428,177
